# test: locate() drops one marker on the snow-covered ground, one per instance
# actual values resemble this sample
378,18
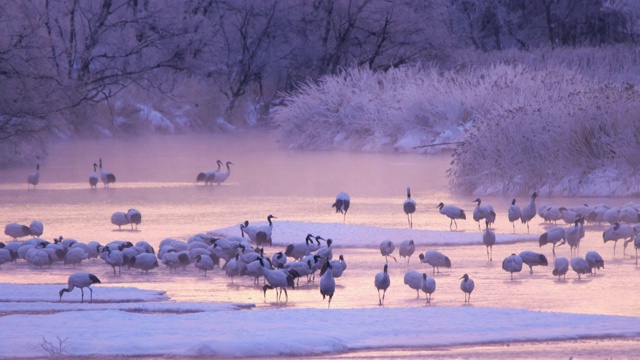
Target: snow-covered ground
153,326
287,232
34,323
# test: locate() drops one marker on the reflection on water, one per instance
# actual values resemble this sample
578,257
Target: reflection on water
157,176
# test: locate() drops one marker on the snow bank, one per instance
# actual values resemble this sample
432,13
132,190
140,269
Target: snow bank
213,332
22,293
288,232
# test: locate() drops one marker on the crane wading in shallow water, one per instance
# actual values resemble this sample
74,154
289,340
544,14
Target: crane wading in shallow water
514,214
342,204
529,211
453,213
106,176
34,178
467,286
483,212
409,207
382,282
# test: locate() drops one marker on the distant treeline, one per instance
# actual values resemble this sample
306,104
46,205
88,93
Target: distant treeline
104,67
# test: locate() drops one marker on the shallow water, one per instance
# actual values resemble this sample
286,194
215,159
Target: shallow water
157,176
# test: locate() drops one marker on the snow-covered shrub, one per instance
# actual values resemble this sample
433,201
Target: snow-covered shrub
556,132
518,128
365,110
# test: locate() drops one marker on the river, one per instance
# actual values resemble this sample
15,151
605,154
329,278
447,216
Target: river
157,175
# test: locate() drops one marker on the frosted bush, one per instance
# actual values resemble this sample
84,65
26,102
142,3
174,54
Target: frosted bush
365,110
518,128
565,137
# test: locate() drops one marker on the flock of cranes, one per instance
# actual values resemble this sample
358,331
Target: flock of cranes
244,255
106,177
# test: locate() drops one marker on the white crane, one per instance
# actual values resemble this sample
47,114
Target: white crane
599,210
409,207
234,267
38,257
489,239
36,228
113,258
413,279
299,250
16,230
553,236
550,213
327,282
407,248
452,212
574,234
514,214
207,176
302,268
93,178
436,259
594,260
278,260
568,216
428,286
529,211
532,258
386,249
119,218
174,259
560,267
382,282
34,177
326,253
80,280
145,262
580,266
611,215
467,286
483,212
7,255
135,217
629,215
204,263
616,232
630,239
342,204
220,177
261,235
337,266
512,263
75,256
278,280
107,177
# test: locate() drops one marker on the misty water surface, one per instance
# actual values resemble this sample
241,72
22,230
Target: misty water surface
157,176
